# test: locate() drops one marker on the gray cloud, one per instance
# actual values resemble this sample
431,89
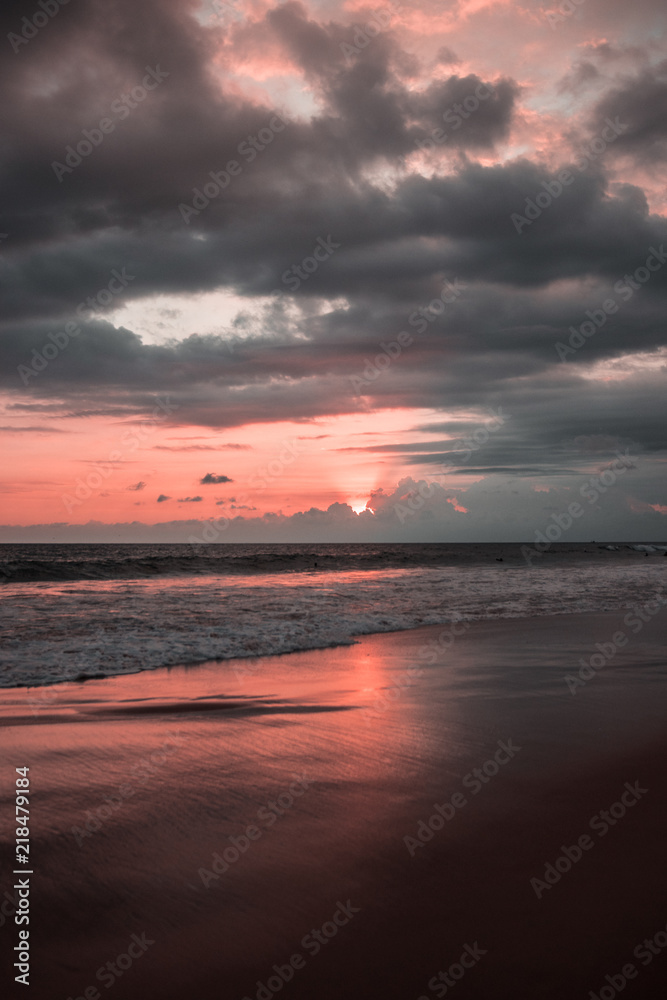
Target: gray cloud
36,429
211,477
349,170
640,101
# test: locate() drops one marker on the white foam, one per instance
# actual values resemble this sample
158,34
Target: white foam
62,631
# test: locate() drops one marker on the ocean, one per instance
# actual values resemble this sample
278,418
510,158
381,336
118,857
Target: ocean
286,762
71,612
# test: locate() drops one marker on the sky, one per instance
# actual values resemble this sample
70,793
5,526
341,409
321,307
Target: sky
331,271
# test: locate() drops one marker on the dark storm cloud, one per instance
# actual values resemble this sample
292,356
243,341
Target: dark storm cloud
389,247
320,177
124,198
376,113
640,102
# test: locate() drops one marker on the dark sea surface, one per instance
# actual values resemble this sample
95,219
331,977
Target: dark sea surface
26,563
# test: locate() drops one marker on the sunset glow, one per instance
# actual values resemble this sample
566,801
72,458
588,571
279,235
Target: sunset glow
319,289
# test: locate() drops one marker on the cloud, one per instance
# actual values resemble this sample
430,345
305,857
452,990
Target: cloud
189,500
36,429
162,498
210,478
204,447
137,486
640,102
355,164
418,510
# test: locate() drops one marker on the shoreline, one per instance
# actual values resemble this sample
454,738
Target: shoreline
354,639
149,624
143,780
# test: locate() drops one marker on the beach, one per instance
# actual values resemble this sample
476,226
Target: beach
352,822
333,547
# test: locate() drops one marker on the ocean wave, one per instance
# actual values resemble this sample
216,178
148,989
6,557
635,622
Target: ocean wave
67,631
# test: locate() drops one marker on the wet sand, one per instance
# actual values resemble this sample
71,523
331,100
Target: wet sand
320,764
